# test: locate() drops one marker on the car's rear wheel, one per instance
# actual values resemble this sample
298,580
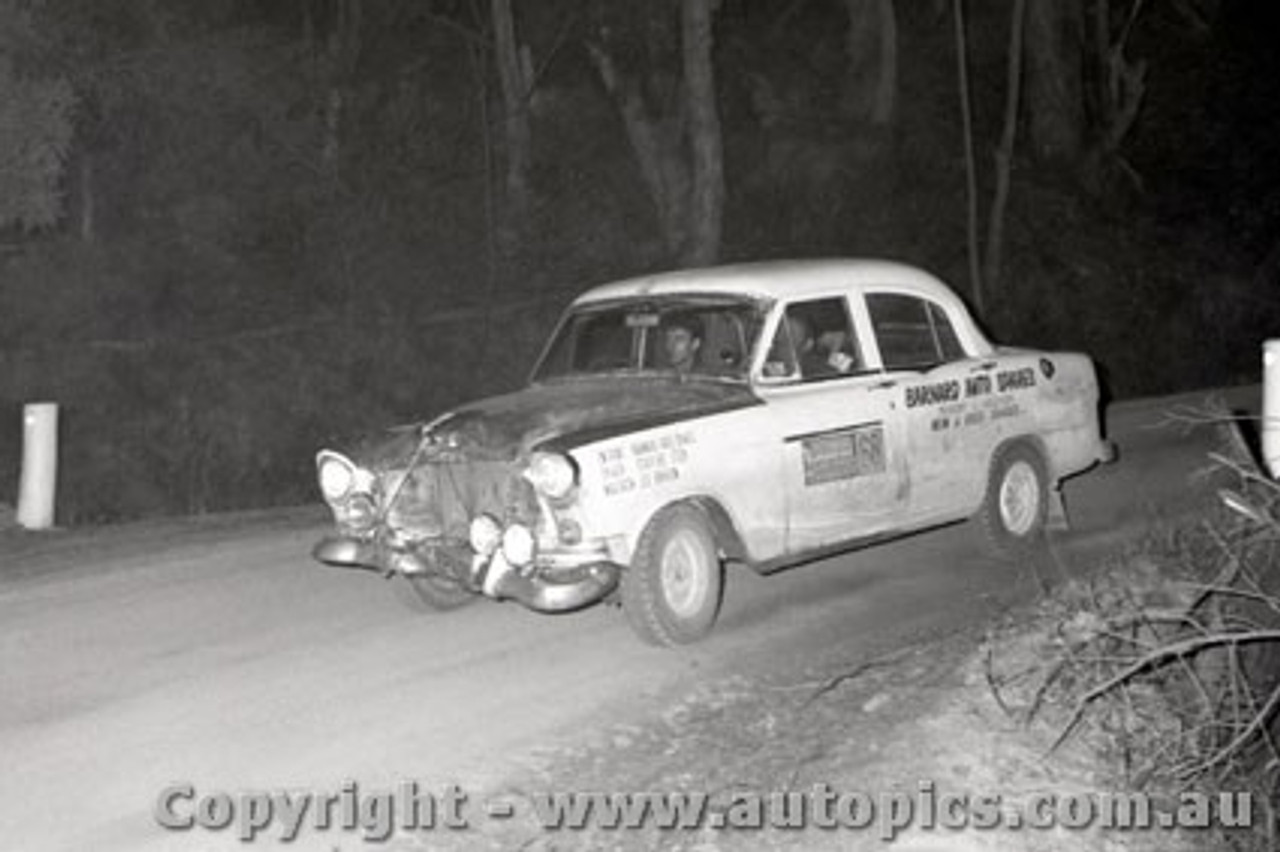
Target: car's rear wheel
1016,505
432,592
672,590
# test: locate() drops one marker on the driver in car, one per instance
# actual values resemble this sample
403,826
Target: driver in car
681,340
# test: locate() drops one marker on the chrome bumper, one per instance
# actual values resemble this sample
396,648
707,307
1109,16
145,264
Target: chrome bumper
552,592
559,582
348,552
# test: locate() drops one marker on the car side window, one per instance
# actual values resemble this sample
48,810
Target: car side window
814,341
948,342
913,333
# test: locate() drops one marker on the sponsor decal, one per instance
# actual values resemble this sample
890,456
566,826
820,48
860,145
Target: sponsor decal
977,386
974,400
644,462
934,393
844,454
1024,377
957,420
954,390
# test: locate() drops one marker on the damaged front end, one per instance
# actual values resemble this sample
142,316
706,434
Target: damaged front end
459,520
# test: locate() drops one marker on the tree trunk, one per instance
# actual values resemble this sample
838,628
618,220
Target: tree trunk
887,88
871,88
1120,83
971,170
707,185
87,211
656,144
674,132
332,146
1004,153
343,51
518,134
1055,78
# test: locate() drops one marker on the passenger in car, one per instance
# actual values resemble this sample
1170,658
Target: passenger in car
837,350
813,363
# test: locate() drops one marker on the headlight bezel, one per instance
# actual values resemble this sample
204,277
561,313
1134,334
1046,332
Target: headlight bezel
340,479
336,475
554,475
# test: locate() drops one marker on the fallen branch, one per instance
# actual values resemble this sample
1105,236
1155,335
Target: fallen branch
988,667
829,684
1257,724
1155,658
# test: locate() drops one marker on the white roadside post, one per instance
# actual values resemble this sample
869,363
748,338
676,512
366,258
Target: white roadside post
39,465
1271,406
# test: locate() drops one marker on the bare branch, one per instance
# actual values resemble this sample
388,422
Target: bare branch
1258,723
1155,658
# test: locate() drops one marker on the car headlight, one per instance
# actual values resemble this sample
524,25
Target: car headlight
517,545
485,535
337,475
553,474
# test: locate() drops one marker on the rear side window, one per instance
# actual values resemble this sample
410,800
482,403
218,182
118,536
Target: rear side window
948,343
913,333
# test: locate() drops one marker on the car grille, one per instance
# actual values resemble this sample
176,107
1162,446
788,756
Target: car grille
438,499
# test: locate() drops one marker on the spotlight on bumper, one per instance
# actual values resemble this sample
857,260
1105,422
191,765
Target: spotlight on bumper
518,545
485,535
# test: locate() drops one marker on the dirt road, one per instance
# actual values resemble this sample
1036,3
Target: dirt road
220,656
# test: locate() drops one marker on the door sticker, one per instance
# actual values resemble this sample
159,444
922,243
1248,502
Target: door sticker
843,454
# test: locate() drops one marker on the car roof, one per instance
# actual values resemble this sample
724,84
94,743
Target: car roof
778,279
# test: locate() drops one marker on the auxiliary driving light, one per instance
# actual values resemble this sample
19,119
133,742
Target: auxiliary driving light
517,545
553,474
485,535
337,475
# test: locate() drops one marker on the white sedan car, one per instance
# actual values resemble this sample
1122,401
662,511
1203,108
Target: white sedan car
759,415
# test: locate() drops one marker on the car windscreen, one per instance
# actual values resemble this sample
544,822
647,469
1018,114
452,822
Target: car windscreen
687,335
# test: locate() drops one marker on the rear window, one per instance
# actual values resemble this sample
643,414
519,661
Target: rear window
913,333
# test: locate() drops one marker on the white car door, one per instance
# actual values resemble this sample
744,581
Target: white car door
837,426
947,435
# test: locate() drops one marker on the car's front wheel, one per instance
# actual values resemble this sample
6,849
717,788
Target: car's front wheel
1016,505
672,590
426,592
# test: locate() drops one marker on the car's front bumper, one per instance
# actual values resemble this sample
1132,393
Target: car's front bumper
350,552
560,580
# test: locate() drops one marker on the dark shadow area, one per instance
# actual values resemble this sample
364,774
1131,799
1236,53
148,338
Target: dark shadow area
250,230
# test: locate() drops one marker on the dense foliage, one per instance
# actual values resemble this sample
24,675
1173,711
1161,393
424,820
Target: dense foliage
238,231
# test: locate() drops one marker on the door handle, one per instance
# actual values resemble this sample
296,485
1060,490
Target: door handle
984,367
885,385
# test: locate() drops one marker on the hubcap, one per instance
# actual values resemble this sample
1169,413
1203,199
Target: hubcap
1020,498
685,573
